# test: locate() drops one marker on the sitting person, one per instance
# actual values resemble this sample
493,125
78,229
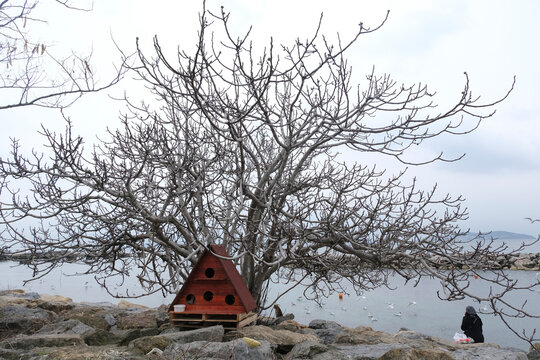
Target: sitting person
472,325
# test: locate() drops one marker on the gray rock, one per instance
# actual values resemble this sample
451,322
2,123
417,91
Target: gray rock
100,337
145,344
315,351
27,296
68,326
20,319
155,353
137,320
128,335
211,333
236,349
410,353
89,315
324,324
283,318
109,318
327,336
284,340
42,340
488,352
367,352
10,354
534,352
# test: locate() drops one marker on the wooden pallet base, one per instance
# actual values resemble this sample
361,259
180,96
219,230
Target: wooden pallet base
190,320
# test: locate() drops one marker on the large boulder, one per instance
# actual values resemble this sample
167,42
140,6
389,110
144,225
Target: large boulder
534,352
66,327
42,340
123,304
367,351
284,340
99,337
93,316
137,320
325,330
291,325
488,351
315,351
145,344
15,319
127,335
211,333
416,354
363,335
237,349
55,303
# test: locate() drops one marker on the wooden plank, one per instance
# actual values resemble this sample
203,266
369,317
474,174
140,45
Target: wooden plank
247,320
199,320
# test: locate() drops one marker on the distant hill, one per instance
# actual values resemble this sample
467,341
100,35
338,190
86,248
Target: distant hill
501,235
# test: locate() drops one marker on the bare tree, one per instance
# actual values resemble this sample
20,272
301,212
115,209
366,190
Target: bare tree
242,150
30,73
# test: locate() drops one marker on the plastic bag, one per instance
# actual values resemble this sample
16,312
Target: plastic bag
460,338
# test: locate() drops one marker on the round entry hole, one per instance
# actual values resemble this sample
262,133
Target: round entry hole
229,299
190,299
209,273
208,296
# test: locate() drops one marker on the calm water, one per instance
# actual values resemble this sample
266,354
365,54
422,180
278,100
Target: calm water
387,310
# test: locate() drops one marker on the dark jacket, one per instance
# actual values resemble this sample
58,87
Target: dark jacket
472,327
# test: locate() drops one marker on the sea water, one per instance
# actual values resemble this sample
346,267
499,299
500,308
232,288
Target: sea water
415,308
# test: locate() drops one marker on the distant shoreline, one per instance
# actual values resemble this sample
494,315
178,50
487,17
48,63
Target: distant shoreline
517,261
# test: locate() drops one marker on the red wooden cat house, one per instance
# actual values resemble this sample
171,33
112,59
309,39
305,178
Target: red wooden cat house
213,294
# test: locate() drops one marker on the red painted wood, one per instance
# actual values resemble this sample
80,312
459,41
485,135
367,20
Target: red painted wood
224,280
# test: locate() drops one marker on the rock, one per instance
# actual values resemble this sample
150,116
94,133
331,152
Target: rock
90,315
147,343
109,318
324,324
55,298
68,326
42,340
137,320
162,315
55,303
85,353
18,293
155,354
325,330
20,319
487,351
283,318
123,304
100,337
534,352
127,335
416,354
10,354
363,335
236,349
211,333
161,341
284,340
313,350
367,351
290,325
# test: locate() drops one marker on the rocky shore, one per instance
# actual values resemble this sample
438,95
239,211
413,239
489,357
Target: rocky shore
34,326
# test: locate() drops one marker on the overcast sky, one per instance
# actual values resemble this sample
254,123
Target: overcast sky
433,42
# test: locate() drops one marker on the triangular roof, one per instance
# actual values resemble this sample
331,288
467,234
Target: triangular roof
231,274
